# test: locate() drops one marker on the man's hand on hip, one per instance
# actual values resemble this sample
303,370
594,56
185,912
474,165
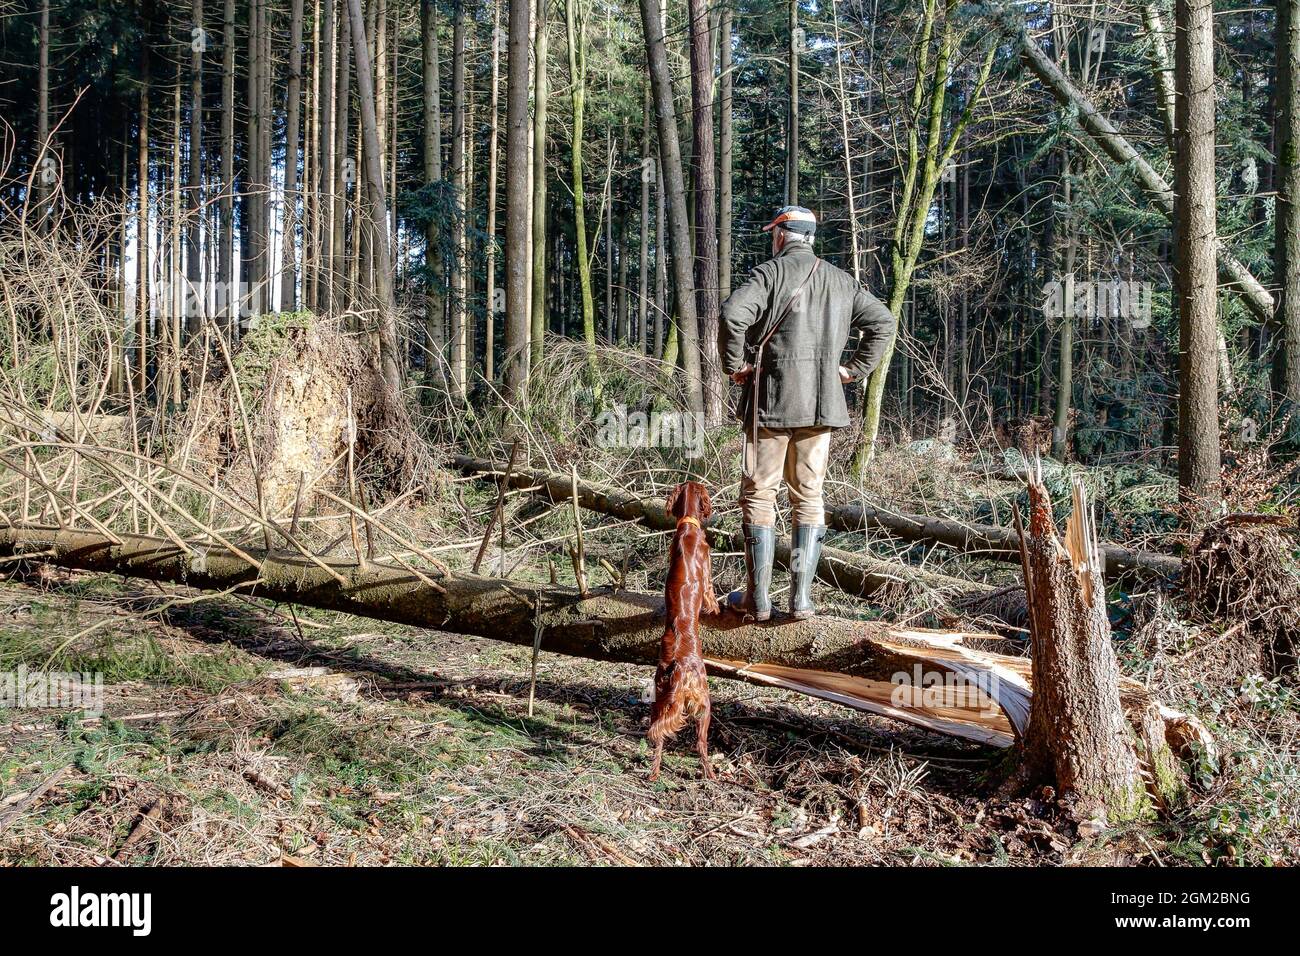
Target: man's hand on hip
845,376
741,375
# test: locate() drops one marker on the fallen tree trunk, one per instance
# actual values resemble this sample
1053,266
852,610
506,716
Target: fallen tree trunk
853,573
851,662
927,678
988,540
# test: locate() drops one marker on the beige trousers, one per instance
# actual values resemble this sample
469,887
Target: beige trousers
800,456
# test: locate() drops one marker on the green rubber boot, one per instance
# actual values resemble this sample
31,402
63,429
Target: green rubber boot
805,552
754,601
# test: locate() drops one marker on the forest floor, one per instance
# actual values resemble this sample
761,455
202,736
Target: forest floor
227,738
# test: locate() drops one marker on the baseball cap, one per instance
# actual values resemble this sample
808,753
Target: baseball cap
794,218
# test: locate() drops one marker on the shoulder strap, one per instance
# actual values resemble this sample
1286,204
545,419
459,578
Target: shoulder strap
789,304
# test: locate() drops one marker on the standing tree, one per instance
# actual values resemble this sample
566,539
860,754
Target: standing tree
288,278
1195,225
459,254
517,198
432,108
541,94
706,223
575,22
1287,236
923,160
377,209
194,184
674,181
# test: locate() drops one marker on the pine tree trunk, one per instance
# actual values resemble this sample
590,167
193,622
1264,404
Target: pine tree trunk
42,112
1195,224
726,84
675,188
792,111
576,28
194,184
432,106
1287,223
142,253
541,95
376,209
345,165
489,296
706,223
458,255
227,296
293,96
518,222
643,276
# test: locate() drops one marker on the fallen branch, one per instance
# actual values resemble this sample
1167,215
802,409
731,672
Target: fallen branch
856,574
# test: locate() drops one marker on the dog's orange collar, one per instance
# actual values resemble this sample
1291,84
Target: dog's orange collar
690,519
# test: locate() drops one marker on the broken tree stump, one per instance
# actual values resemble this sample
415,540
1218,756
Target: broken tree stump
1078,736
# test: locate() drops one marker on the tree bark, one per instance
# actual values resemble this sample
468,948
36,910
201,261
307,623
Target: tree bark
541,96
1077,735
433,302
670,155
1287,223
328,161
575,22
493,137
293,96
706,222
345,166
1195,226
226,257
142,255
459,254
194,298
518,221
643,228
42,110
389,361
726,83
792,110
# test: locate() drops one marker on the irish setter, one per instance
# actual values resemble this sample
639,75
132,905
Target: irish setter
681,687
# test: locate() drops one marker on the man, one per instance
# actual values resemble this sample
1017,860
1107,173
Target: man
782,336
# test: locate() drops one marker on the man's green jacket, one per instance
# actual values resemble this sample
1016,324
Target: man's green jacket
800,381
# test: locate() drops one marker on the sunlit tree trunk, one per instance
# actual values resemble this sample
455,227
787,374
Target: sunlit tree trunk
1195,224
706,224
541,96
517,200
432,106
575,22
675,194
293,96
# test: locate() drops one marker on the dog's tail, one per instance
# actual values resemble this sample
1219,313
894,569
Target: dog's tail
681,691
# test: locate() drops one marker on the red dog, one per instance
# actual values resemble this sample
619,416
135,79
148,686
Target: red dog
681,687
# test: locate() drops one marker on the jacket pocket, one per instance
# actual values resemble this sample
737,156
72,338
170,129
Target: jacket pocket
790,393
